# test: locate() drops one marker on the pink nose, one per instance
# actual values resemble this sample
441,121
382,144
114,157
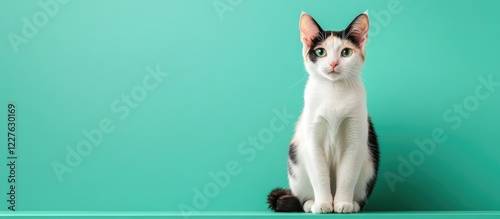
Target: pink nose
334,64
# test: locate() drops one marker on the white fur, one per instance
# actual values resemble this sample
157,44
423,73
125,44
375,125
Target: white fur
331,135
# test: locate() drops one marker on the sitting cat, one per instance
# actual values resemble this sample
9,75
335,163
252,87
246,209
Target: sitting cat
334,155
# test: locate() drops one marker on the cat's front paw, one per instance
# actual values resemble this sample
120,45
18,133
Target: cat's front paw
356,206
308,205
345,207
322,207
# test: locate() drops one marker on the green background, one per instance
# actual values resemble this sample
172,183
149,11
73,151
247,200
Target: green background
228,74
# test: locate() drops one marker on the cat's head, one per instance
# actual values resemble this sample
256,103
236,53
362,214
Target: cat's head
334,55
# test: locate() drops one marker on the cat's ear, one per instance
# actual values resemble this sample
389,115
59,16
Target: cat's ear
359,29
309,29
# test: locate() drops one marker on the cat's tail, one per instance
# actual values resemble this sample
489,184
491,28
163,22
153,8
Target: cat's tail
282,200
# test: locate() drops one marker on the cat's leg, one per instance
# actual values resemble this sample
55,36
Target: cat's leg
354,141
318,168
365,179
297,175
301,187
299,182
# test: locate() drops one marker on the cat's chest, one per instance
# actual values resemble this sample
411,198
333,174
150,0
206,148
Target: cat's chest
335,110
333,102
334,106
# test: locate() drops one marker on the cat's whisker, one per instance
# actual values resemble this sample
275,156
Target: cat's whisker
353,68
367,82
347,78
300,80
353,82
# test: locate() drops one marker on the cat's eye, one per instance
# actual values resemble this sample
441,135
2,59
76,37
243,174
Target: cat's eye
346,52
320,52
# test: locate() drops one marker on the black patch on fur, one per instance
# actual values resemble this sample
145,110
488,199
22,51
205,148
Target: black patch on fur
375,154
282,200
290,170
292,153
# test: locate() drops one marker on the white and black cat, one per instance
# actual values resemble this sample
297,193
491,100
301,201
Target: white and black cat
334,155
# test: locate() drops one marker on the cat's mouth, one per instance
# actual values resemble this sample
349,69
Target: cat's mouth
333,72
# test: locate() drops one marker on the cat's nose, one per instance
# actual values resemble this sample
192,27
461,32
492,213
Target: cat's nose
334,64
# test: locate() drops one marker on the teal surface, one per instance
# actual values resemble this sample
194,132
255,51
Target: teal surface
257,214
189,106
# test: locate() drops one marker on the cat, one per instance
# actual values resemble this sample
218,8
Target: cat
333,157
